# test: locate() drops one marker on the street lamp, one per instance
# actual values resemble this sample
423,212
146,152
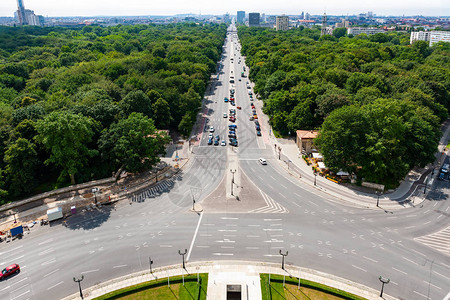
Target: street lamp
150,261
378,197
183,254
282,261
232,180
79,284
279,152
315,178
288,161
383,282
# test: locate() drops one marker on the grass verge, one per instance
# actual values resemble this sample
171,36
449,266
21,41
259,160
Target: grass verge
159,289
308,289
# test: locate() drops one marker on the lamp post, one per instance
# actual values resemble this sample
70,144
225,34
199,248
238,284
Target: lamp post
288,161
282,260
150,261
232,180
315,178
279,152
378,197
193,203
79,285
383,282
183,254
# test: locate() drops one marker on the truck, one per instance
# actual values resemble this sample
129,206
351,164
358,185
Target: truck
54,214
16,231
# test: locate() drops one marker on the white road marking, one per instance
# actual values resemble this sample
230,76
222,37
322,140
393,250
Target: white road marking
18,296
442,275
253,236
313,203
205,234
227,230
400,271
252,248
254,225
90,271
14,284
359,268
54,271
368,258
420,294
202,246
223,254
45,242
272,219
195,235
46,251
165,246
410,260
119,266
435,286
53,286
14,249
48,262
228,218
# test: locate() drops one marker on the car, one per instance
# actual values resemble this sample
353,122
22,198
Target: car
232,119
223,143
255,116
239,79
231,132
211,129
441,176
216,143
258,132
238,107
234,143
225,99
217,138
10,270
262,161
232,111
254,111
232,135
258,128
251,104
231,98
210,136
210,141
248,86
225,115
445,168
232,126
251,118
232,103
257,123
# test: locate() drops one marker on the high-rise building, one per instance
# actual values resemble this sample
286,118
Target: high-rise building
263,18
307,16
324,24
241,16
430,36
282,23
226,18
302,16
253,19
21,13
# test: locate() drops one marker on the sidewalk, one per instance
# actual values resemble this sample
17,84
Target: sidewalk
409,193
221,273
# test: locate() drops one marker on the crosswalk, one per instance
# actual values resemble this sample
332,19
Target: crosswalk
154,191
439,241
272,207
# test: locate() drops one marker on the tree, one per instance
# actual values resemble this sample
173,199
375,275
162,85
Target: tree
133,143
342,138
136,101
65,136
161,111
331,100
21,163
339,32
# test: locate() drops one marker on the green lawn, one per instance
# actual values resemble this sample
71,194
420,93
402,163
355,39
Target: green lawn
308,290
159,289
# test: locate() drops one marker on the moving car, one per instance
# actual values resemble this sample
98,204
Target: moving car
263,161
8,271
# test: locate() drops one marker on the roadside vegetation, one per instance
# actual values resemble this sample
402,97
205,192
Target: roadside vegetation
78,104
160,290
377,101
308,290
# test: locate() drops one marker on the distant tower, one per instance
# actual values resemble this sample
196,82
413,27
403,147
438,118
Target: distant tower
324,24
21,13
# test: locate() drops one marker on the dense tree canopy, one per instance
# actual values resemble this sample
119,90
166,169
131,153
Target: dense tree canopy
377,100
66,94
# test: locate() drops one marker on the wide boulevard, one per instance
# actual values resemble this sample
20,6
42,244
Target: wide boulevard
249,215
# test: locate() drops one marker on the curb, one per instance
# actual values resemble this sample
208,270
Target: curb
230,266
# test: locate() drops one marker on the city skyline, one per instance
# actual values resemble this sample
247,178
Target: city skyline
139,7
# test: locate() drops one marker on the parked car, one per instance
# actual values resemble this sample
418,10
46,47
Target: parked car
225,115
263,161
234,126
210,141
258,128
258,132
216,143
225,99
211,129
257,123
223,143
251,118
217,138
8,271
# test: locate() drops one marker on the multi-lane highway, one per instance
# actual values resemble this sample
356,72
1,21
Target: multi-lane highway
274,211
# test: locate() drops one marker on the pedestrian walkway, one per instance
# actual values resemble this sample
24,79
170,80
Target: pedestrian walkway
223,273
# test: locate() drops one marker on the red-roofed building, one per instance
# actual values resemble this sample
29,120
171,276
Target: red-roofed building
305,140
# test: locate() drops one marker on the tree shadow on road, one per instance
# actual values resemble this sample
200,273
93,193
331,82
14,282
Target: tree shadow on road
88,219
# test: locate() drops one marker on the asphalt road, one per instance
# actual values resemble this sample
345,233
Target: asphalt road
319,233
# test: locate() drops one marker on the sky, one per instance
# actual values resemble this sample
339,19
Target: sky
54,8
